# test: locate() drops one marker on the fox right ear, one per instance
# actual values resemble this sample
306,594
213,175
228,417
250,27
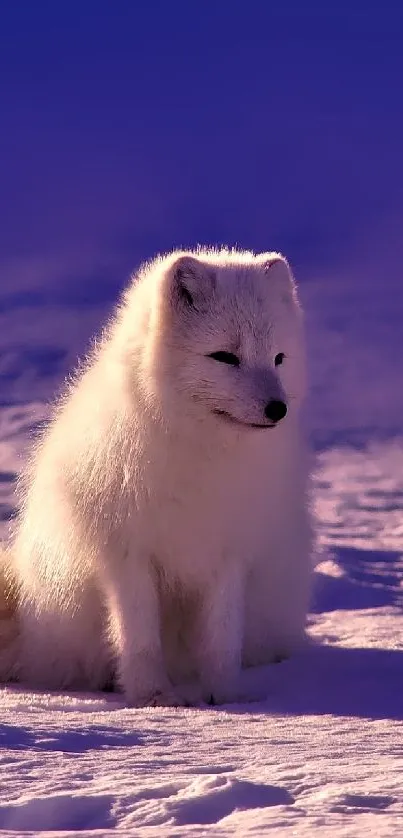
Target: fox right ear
193,282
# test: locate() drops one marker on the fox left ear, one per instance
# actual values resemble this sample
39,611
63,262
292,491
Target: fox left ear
193,282
278,270
274,262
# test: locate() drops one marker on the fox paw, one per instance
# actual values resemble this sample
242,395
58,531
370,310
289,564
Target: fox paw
163,697
167,698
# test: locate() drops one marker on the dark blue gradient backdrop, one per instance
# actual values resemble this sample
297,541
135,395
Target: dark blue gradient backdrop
131,127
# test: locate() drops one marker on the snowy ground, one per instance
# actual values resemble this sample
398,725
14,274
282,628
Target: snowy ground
322,753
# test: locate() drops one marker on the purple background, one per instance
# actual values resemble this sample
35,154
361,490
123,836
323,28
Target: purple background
132,127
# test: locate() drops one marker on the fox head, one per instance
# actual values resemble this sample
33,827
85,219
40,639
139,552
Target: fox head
223,341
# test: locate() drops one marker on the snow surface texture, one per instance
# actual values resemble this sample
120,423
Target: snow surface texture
322,752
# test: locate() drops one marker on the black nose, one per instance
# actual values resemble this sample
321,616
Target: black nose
275,410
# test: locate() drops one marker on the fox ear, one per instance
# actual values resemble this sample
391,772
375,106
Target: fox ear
275,264
278,271
193,282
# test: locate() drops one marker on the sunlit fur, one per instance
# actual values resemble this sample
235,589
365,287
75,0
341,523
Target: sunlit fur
162,537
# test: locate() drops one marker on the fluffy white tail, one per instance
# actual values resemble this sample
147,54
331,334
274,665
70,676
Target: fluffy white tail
8,620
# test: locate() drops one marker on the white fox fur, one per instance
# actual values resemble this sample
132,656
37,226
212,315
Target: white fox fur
163,537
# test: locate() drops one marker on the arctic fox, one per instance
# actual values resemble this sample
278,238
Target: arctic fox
164,533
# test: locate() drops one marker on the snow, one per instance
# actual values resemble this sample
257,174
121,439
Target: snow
321,750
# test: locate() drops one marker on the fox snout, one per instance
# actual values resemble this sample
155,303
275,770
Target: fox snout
275,410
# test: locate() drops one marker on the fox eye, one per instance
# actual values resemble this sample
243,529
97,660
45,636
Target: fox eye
226,358
279,359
